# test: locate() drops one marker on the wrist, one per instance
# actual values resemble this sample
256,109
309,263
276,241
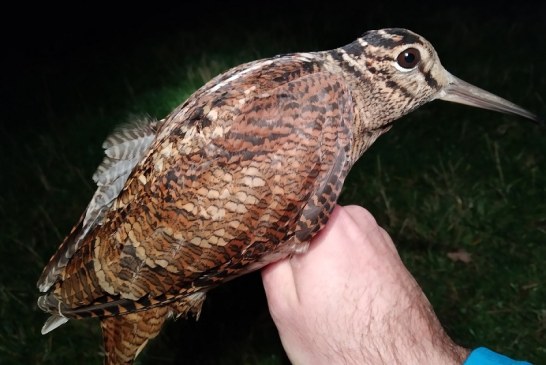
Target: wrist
422,340
446,353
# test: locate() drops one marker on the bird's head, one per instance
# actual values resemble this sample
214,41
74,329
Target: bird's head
402,71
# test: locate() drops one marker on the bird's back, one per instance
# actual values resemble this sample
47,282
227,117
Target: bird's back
240,175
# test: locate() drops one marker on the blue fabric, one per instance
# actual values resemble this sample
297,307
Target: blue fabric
483,356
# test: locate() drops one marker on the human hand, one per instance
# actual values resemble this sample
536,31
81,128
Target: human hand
350,300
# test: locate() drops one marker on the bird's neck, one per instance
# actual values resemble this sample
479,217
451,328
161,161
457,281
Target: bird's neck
368,117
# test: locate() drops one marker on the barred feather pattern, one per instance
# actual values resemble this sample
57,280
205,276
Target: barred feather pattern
123,149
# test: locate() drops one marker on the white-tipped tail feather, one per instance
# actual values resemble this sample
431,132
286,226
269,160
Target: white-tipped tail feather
53,322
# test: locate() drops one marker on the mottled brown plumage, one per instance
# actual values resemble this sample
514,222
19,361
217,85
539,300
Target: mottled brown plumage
242,174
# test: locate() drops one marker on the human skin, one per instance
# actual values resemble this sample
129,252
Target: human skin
351,300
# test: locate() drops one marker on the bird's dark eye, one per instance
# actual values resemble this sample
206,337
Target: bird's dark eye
409,58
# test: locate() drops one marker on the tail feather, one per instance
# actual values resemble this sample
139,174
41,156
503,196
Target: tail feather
53,322
125,336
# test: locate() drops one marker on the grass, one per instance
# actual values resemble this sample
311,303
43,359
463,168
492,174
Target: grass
445,179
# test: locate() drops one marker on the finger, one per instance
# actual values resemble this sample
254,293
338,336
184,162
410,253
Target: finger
361,217
388,241
367,223
280,290
328,260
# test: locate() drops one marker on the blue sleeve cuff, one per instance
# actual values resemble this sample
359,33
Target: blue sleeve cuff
483,356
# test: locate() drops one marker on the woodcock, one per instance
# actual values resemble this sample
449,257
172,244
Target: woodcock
242,174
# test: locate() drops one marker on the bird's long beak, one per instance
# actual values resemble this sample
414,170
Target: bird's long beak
459,91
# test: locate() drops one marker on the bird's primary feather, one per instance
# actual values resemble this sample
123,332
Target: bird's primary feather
123,150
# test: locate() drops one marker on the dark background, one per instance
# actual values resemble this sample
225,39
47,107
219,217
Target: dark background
46,46
70,74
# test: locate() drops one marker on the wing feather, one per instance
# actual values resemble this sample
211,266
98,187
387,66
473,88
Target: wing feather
124,148
240,176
